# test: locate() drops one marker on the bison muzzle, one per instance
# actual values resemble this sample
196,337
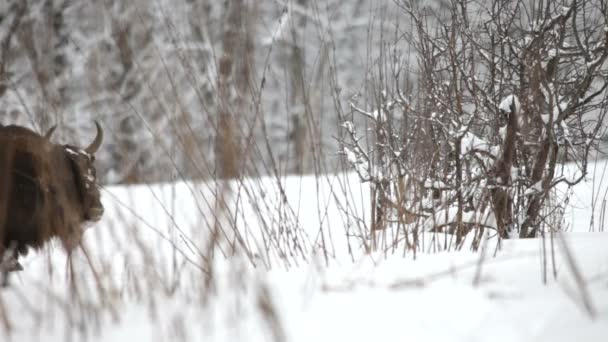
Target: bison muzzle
46,191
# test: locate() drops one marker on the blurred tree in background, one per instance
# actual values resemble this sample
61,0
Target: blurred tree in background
184,87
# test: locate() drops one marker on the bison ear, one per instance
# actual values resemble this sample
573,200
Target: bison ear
48,134
97,142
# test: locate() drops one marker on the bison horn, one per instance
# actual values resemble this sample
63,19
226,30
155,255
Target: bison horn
97,142
48,134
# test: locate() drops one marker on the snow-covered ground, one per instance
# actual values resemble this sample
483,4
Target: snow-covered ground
146,285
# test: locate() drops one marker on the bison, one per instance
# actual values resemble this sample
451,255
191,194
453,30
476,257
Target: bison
46,191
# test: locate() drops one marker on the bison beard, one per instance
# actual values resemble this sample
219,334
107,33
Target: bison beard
46,191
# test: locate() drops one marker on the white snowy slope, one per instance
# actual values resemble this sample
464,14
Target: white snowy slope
497,295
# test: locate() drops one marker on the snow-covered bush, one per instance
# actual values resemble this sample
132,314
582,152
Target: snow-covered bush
500,101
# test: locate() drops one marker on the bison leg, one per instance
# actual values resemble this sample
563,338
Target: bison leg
12,266
8,263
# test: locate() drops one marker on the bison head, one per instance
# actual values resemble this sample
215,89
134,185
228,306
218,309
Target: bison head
83,172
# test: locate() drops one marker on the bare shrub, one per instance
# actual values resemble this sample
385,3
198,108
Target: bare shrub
506,93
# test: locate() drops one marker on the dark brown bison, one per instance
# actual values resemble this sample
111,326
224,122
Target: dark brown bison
46,191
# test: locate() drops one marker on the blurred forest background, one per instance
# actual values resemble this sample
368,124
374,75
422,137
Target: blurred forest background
180,85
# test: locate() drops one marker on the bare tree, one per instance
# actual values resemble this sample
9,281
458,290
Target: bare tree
507,93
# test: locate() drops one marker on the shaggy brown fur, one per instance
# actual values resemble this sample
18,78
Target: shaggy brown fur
46,191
